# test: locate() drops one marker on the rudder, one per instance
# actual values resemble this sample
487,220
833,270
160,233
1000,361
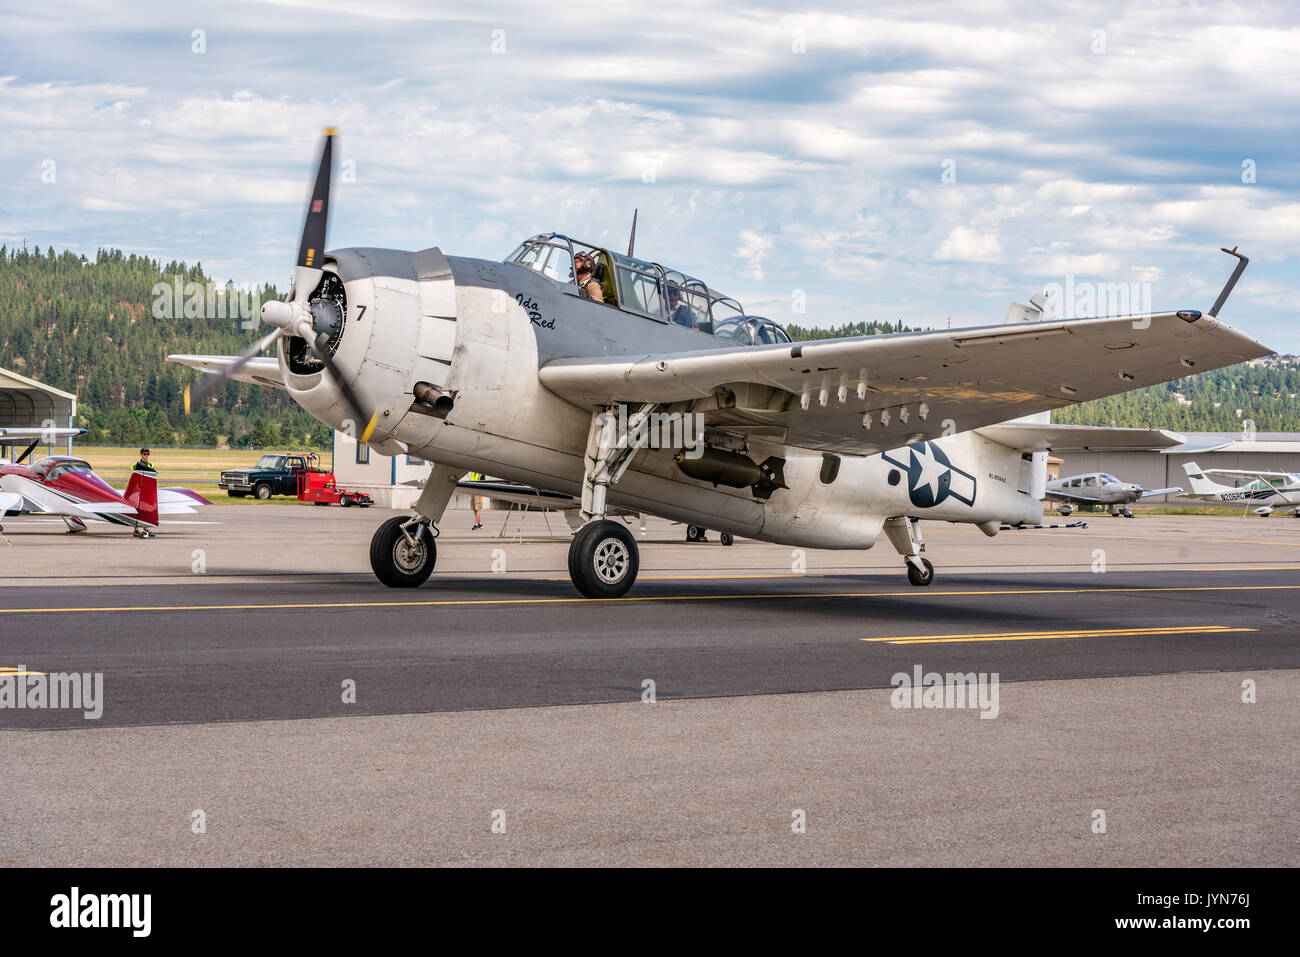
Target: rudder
142,495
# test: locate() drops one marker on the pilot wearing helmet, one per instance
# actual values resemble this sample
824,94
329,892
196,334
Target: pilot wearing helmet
678,311
584,267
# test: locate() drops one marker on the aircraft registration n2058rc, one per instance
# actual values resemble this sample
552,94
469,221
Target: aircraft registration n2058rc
510,369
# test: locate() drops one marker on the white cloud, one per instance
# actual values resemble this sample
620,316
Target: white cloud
754,248
968,245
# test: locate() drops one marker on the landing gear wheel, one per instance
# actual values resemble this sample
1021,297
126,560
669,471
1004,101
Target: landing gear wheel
918,577
727,540
603,560
345,500
694,533
399,562
262,491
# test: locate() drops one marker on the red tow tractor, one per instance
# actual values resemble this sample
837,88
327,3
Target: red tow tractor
317,485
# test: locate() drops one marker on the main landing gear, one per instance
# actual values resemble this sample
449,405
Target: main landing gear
905,535
603,557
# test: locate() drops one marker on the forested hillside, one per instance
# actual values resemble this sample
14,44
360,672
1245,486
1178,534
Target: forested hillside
102,329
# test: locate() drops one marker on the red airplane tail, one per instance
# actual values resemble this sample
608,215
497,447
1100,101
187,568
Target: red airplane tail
142,495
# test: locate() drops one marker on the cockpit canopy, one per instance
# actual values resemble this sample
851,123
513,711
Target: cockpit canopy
649,289
53,466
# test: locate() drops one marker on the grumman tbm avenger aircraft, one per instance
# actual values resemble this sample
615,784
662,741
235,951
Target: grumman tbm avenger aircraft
1101,488
511,369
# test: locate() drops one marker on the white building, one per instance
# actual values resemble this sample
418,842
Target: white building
394,481
26,403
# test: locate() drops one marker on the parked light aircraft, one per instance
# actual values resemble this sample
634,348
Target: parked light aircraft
1269,489
68,487
1100,488
509,369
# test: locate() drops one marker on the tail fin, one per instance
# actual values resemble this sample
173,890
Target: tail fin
142,495
1200,484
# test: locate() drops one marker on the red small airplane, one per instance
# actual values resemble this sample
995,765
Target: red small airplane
68,487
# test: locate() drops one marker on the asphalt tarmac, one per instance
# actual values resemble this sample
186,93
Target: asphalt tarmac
211,637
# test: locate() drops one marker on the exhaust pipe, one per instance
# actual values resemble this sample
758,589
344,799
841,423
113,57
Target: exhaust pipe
437,401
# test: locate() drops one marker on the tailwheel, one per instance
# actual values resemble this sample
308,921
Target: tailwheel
603,560
403,552
918,576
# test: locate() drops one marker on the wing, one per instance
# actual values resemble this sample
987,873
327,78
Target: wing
521,494
1249,473
1067,496
869,394
1033,437
12,432
264,371
1160,491
530,496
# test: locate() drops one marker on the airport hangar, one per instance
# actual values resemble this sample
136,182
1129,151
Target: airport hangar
27,404
396,481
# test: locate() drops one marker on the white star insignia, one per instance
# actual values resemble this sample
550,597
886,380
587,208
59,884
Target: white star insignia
931,471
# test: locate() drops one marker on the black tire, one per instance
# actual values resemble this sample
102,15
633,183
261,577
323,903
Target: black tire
727,540
345,500
262,490
603,560
694,533
918,578
393,561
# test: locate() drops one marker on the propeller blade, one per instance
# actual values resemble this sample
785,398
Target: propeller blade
213,380
312,248
349,395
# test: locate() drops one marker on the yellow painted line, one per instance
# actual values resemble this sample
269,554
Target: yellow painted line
795,596
6,672
1075,633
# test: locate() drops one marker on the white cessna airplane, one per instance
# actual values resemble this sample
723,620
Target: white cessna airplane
510,369
1269,489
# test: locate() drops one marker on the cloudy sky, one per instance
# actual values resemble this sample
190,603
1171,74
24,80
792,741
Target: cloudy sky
912,161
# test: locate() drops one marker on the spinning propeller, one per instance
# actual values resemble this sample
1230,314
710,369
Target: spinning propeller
301,316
